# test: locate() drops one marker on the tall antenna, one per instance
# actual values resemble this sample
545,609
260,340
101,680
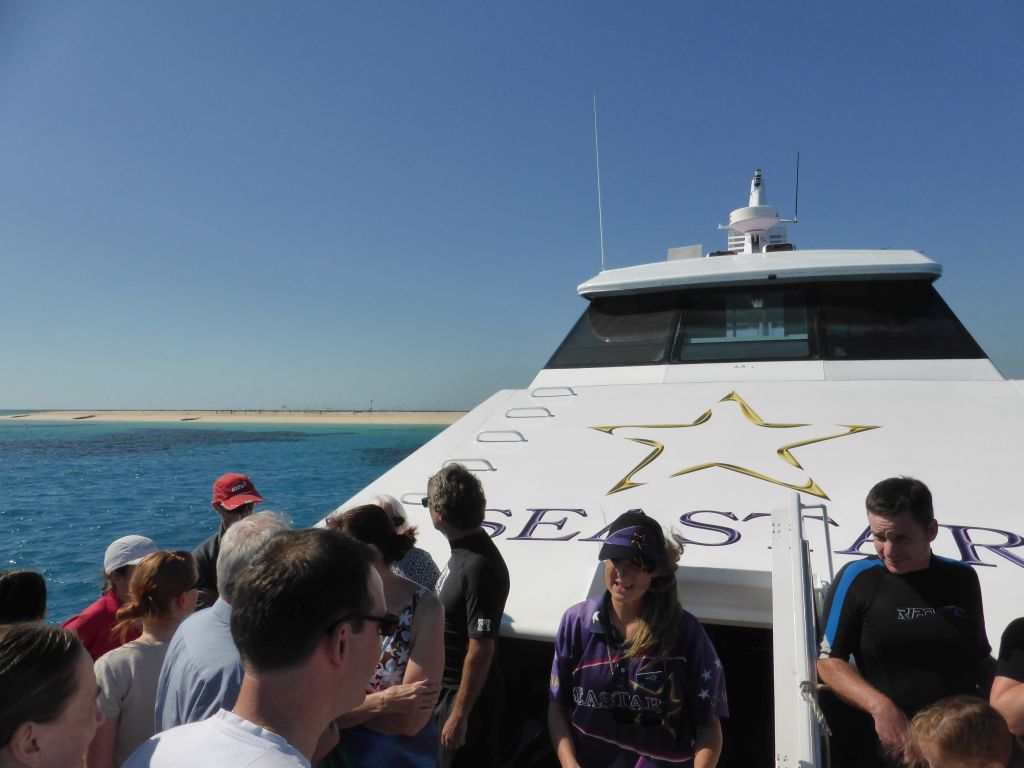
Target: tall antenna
600,209
796,203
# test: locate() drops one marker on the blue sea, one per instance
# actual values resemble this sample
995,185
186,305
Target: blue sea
68,489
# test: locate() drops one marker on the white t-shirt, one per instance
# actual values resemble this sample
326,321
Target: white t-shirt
222,740
127,677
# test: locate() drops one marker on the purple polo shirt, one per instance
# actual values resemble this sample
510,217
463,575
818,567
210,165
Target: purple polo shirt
637,712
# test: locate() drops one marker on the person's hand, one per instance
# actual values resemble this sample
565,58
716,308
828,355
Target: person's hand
407,698
328,741
453,734
891,727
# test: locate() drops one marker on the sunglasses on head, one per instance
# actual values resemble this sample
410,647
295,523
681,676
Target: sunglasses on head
387,624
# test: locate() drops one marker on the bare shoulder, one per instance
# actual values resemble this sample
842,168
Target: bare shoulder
429,606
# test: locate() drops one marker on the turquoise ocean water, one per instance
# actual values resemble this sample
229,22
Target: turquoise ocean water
68,489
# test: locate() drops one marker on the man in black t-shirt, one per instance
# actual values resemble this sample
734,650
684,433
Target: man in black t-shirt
473,588
913,622
1008,687
234,499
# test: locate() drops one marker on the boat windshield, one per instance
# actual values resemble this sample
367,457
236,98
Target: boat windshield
891,320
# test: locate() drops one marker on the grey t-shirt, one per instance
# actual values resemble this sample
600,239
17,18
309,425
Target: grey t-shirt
127,677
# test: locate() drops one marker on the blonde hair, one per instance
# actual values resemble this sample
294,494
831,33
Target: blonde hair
156,583
965,730
656,629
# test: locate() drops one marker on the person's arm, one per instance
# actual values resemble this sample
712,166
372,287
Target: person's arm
475,669
101,750
707,744
399,701
890,722
426,662
561,739
1007,698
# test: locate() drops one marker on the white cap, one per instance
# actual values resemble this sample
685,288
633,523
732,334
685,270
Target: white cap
395,511
128,550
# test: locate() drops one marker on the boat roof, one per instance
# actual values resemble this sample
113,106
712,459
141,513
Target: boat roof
740,268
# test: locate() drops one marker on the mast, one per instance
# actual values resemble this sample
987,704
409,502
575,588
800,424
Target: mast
757,227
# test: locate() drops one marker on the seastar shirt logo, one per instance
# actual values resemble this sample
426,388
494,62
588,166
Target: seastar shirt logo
615,700
804,434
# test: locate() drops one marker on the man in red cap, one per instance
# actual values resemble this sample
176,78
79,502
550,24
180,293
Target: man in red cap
234,498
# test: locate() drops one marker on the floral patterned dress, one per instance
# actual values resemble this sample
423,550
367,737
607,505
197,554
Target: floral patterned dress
364,747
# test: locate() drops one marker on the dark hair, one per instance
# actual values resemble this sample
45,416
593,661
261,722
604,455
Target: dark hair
296,586
896,495
370,524
456,495
22,596
108,585
37,674
156,583
964,728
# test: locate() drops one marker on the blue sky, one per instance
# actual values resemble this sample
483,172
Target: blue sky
256,204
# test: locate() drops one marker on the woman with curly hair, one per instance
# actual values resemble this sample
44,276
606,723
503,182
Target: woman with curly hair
635,680
394,726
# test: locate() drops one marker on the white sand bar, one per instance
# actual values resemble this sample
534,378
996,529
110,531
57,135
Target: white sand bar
251,417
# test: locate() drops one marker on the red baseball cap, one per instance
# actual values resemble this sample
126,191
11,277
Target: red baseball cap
233,490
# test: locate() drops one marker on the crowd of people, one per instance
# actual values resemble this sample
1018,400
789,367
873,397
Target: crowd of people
346,646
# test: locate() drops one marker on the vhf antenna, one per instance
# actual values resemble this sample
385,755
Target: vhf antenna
600,210
796,203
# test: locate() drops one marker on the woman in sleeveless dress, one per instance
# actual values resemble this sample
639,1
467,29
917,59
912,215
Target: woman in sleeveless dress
395,725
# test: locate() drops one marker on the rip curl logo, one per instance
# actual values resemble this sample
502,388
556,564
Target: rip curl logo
483,625
441,580
945,611
638,540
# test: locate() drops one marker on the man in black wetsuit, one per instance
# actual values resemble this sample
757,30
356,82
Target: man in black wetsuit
473,588
1008,688
912,621
234,498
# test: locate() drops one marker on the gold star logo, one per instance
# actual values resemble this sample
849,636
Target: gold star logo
784,452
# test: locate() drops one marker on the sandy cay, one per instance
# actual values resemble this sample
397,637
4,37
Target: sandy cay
251,417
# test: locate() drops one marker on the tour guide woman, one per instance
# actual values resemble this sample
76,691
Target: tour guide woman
635,682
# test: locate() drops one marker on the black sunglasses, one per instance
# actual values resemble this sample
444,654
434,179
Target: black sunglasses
387,624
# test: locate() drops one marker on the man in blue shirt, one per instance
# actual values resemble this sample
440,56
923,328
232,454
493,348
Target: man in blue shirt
202,671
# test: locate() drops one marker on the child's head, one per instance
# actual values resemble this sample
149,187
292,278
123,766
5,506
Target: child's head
961,732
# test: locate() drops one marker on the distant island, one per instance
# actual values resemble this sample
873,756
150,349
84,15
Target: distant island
250,416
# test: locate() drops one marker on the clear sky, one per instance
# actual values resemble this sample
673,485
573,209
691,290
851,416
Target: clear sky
315,204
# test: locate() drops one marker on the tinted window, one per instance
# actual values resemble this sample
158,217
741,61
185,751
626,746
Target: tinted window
626,330
744,325
896,320
838,321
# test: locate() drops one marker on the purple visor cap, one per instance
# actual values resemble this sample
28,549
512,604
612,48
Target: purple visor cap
637,543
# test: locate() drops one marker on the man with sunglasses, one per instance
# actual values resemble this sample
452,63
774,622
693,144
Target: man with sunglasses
234,499
307,615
